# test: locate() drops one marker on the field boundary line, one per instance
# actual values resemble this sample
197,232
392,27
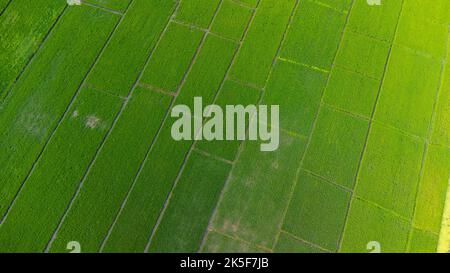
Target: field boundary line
6,6
428,138
239,3
380,207
344,111
342,67
105,8
312,67
64,114
296,177
326,180
320,3
418,52
215,157
204,30
440,145
238,239
305,241
186,157
245,84
363,118
106,137
262,89
4,97
422,20
163,122
371,122
159,90
104,91
287,132
426,230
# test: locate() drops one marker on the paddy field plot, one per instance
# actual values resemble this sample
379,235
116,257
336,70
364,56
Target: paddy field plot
86,146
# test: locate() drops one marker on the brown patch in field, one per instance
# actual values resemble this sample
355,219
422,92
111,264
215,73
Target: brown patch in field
92,122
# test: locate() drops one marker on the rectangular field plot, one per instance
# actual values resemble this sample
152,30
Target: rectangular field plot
231,94
351,92
297,90
42,201
314,35
432,189
317,212
367,223
112,173
132,43
336,147
206,77
185,222
389,174
259,48
409,92
42,94
23,27
364,55
172,57
256,195
379,22
231,20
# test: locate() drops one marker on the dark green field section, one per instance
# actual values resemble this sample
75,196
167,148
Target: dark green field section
118,70
40,98
172,58
4,4
79,135
202,180
113,171
86,146
256,55
23,25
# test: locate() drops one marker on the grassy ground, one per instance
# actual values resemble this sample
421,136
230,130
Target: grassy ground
85,130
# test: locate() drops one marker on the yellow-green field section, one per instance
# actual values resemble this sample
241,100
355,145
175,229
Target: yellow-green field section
86,152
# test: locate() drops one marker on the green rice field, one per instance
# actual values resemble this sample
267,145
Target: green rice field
86,147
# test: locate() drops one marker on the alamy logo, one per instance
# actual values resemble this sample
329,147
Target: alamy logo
374,2
227,124
74,2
